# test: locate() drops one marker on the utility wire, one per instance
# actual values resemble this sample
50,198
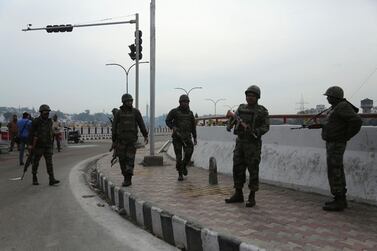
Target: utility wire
366,80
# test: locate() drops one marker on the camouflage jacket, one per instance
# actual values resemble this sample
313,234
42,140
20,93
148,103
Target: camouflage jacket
41,129
183,120
251,122
342,122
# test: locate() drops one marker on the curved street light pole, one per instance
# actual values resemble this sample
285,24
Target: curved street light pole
215,102
128,70
188,92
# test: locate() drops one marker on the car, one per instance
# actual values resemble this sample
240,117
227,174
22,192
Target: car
4,139
74,136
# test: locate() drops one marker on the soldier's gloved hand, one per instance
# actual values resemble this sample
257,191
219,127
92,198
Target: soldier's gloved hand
195,142
145,140
228,128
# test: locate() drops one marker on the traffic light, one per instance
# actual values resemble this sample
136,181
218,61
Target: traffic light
59,28
133,51
140,42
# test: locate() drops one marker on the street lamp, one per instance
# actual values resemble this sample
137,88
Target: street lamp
188,92
127,71
215,102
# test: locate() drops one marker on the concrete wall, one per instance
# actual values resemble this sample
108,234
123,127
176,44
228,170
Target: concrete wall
297,159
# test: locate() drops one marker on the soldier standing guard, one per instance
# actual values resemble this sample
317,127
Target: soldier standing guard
251,122
124,136
182,121
41,138
342,123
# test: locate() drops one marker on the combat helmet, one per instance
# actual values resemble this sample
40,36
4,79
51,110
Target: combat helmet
334,91
126,97
184,97
44,107
253,89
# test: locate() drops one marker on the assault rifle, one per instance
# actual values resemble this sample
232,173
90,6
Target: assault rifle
180,138
115,154
312,126
239,121
28,161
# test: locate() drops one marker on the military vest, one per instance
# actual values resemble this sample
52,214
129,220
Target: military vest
248,116
43,131
127,127
183,121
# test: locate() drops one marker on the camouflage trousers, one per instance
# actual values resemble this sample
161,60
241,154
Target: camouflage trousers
335,169
246,155
46,152
188,150
126,153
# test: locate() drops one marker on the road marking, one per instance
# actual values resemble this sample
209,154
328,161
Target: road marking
82,146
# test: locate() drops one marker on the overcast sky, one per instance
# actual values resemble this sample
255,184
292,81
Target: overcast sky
290,49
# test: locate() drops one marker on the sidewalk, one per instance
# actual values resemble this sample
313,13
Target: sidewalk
283,219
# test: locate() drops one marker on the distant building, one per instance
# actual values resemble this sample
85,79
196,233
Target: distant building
366,105
317,109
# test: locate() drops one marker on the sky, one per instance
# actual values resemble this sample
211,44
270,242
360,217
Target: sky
292,49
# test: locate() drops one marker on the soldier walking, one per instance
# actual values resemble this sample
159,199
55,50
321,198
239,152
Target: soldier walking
341,124
41,138
57,127
182,121
124,136
251,122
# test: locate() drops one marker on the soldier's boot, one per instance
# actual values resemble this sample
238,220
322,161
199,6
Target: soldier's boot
251,201
184,170
236,197
53,181
127,180
339,204
333,201
35,180
180,177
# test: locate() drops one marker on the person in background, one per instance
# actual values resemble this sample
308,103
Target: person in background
57,127
13,132
24,126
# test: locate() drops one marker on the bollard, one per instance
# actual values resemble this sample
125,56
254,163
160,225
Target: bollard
212,171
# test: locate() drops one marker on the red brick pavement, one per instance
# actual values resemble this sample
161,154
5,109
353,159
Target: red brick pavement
283,219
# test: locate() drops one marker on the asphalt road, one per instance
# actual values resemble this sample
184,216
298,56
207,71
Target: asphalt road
63,217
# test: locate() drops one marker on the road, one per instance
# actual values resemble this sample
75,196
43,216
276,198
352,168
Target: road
62,217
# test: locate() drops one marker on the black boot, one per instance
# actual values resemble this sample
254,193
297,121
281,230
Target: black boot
53,181
127,180
236,197
184,170
180,177
333,201
35,180
339,204
251,201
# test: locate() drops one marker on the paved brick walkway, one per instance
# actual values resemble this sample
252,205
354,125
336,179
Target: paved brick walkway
283,219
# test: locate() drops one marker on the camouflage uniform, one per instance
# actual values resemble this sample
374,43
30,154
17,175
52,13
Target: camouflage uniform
41,137
246,154
184,122
124,136
341,124
251,122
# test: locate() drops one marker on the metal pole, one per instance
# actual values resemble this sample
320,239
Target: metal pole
126,82
152,75
137,63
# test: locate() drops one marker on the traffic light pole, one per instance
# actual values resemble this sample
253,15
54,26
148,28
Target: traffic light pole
137,42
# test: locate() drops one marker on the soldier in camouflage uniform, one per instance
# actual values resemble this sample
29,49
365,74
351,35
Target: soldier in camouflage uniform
251,122
124,136
41,143
342,123
182,121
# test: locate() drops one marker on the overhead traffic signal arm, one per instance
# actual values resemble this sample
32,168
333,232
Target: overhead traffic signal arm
59,28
